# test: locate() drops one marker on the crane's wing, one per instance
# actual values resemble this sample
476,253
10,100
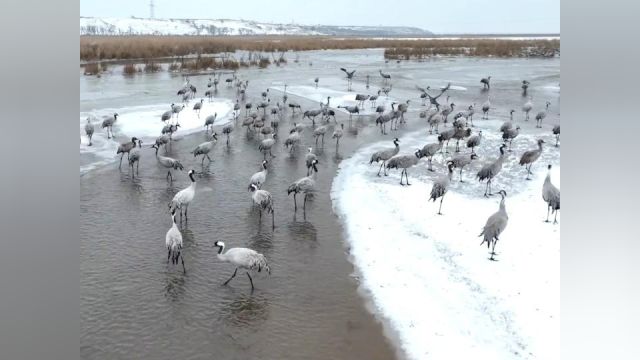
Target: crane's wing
421,89
345,70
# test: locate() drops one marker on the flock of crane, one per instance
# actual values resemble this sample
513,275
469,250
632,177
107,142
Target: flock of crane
256,122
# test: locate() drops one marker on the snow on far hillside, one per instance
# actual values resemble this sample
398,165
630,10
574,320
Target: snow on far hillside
140,26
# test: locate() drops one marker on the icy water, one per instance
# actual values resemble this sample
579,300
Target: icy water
134,305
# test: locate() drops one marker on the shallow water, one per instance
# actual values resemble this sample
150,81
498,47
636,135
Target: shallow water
310,307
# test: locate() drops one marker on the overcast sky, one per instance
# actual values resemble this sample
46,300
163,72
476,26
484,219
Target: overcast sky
443,16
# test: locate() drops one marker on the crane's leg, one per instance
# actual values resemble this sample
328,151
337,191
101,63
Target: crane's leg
440,208
486,189
555,217
138,167
232,276
273,221
168,254
121,156
186,208
493,249
250,280
202,162
295,203
401,174
548,209
557,139
384,163
461,175
430,168
406,175
184,270
378,169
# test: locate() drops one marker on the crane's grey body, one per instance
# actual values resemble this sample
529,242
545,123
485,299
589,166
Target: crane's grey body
312,114
551,195
309,159
529,157
349,77
541,115
461,133
108,122
126,148
318,132
204,148
266,145
404,162
173,241
166,115
526,108
243,258
447,135
474,141
198,106
507,125
384,155
184,197
88,129
460,161
337,134
134,158
227,130
209,120
264,201
486,82
434,119
556,132
441,185
495,225
491,170
168,162
510,134
304,185
292,140
430,150
260,177
485,109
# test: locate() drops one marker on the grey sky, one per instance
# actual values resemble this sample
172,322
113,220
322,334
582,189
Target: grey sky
452,16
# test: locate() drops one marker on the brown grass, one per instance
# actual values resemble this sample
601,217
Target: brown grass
92,69
148,47
129,69
151,67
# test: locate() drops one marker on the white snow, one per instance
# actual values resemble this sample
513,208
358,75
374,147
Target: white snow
144,123
428,276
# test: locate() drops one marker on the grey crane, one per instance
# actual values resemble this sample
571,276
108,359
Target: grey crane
210,83
556,132
134,157
460,161
162,140
527,108
337,134
474,141
259,177
126,148
168,162
318,132
433,100
248,122
351,110
204,148
460,134
263,200
349,77
374,98
510,134
385,77
108,122
491,170
541,115
525,87
263,105
441,185
312,114
305,185
511,114
167,115
209,120
227,130
266,145
242,258
470,111
258,123
297,127
361,98
316,81
88,129
267,130
247,107
495,225
176,109
275,124
530,156
382,121
485,82
170,129
430,150
384,155
507,125
173,241
447,135
309,160
292,140
293,106
434,119
198,106
404,162
402,108
184,197
265,94
485,108
551,195
386,90
446,111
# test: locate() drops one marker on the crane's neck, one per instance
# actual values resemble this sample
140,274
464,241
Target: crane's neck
503,209
540,146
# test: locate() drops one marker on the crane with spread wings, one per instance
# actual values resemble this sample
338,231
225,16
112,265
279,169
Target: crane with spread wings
434,99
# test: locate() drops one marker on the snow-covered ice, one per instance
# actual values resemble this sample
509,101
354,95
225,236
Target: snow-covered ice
144,123
428,276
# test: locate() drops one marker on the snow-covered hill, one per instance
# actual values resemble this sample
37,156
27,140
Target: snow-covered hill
139,26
